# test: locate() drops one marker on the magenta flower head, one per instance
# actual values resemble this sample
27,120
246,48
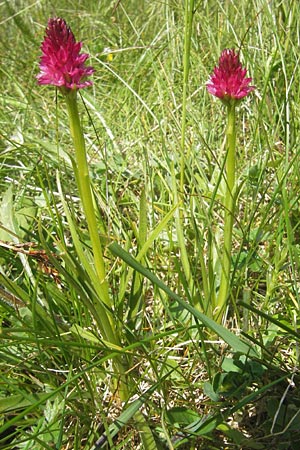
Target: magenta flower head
228,81
61,63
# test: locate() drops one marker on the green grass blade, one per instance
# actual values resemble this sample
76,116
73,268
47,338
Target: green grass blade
271,319
233,341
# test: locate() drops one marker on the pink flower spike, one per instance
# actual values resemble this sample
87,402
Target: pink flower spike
228,81
61,63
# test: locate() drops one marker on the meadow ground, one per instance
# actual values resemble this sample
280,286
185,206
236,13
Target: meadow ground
150,366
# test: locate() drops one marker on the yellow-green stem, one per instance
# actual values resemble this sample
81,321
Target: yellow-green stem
189,13
179,218
84,187
229,212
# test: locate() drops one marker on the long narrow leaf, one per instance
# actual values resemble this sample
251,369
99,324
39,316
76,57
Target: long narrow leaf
233,341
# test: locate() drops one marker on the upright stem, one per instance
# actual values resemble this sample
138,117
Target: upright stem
84,186
188,19
229,212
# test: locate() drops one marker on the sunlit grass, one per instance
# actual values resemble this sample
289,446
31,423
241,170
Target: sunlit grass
56,371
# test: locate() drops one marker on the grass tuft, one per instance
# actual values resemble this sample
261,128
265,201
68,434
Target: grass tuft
156,148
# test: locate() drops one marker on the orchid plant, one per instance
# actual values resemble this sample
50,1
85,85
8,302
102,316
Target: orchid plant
230,84
63,65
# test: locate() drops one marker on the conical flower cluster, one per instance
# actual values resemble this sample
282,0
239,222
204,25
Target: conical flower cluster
228,81
61,63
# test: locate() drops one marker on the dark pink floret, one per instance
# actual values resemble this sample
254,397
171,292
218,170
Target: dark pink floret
229,80
61,63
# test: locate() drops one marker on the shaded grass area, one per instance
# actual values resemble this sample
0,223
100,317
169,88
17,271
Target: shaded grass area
57,380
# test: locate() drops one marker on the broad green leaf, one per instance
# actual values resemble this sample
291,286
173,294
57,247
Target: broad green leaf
210,392
19,401
7,220
181,416
271,319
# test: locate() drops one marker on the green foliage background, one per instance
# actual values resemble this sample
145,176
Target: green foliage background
55,371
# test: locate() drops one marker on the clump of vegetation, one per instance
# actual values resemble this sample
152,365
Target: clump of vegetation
149,249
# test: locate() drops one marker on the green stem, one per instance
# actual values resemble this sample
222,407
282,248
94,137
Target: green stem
179,217
84,186
188,19
85,191
229,212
